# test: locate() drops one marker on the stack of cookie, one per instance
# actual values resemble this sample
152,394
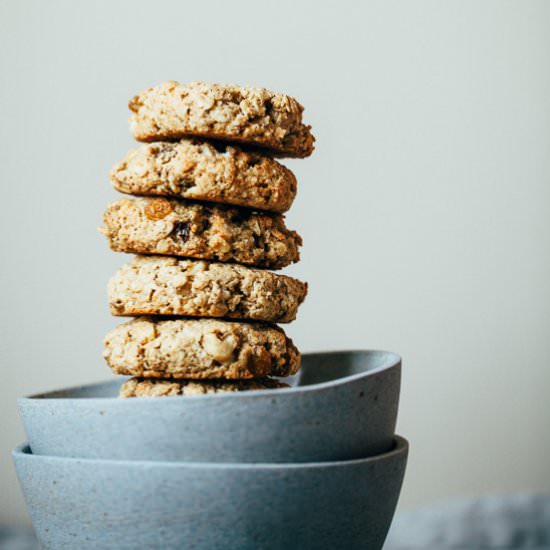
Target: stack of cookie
206,224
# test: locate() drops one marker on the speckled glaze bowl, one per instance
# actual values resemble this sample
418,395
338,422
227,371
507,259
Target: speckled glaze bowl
107,504
343,405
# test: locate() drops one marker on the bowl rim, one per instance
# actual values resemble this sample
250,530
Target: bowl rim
394,360
400,447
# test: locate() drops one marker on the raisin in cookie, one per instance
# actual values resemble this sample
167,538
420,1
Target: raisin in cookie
199,349
218,111
156,285
182,228
215,172
145,387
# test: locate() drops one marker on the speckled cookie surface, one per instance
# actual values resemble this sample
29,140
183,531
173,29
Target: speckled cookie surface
200,170
139,387
218,111
182,228
156,285
199,349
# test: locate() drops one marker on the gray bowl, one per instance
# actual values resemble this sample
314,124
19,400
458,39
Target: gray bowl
343,406
90,504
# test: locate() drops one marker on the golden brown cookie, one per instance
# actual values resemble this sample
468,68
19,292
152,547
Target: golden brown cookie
200,170
193,230
199,349
222,111
145,387
157,285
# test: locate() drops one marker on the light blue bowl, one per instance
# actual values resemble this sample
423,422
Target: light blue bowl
343,405
91,504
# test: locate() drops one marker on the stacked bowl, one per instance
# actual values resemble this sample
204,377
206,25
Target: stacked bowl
224,443
315,465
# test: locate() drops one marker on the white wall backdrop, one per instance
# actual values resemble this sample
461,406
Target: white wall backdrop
425,209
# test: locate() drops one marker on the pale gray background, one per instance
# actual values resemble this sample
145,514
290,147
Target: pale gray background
425,209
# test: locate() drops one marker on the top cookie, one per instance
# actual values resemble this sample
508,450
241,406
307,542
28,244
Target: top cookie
222,111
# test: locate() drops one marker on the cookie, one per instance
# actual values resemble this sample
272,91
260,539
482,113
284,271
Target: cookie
199,349
156,285
139,387
221,111
193,230
200,170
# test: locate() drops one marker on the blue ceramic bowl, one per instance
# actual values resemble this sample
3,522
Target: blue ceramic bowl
108,504
343,405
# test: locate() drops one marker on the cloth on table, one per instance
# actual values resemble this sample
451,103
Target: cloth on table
506,522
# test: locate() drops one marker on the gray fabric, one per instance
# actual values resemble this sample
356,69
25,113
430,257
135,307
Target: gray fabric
12,538
504,522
